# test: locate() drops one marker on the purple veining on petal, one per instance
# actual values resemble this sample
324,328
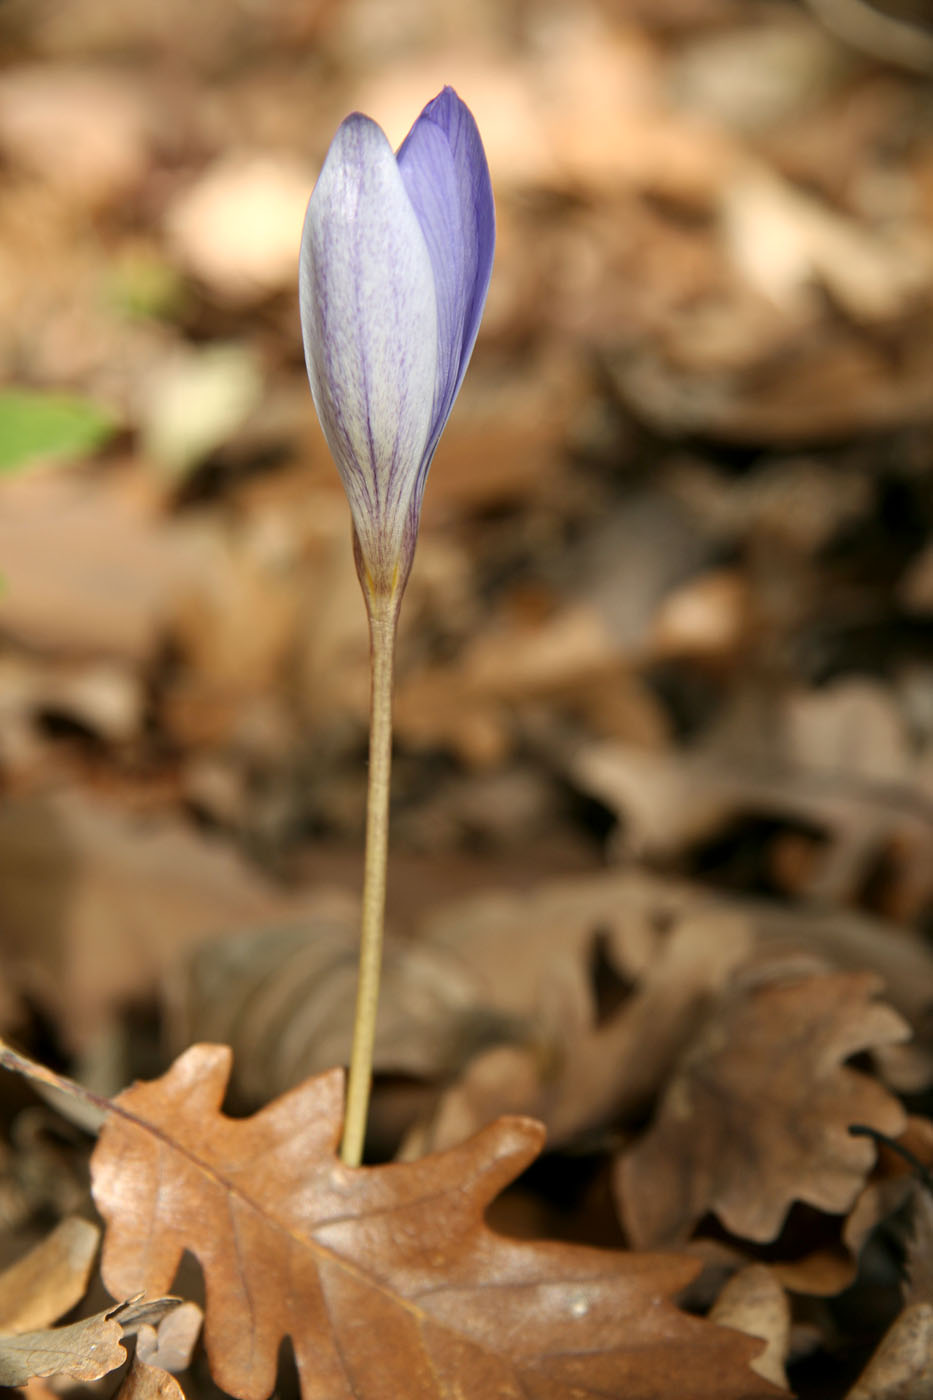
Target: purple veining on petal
369,322
396,256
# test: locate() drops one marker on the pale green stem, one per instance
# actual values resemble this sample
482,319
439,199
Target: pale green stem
382,626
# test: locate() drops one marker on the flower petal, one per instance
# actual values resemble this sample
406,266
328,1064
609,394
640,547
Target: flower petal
369,322
444,168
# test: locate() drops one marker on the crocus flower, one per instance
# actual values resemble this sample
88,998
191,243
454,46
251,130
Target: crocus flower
395,262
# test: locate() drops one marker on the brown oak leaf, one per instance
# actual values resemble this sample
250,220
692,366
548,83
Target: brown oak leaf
757,1114
387,1279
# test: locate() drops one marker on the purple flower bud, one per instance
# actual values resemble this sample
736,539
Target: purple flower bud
395,262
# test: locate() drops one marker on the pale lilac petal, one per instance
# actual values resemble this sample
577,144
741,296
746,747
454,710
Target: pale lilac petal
369,316
427,168
444,169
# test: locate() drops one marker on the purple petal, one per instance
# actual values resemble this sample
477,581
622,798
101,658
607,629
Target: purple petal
443,166
369,322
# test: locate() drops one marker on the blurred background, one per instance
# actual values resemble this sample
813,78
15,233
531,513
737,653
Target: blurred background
672,607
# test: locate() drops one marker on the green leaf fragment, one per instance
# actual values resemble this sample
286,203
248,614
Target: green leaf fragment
37,426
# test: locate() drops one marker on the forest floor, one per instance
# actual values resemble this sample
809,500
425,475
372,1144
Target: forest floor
662,823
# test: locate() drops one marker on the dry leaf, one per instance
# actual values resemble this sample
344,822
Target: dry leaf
146,1382
458,1001
670,799
499,936
823,1273
855,942
890,1184
498,994
841,762
85,1351
710,617
387,1279
757,1115
170,1345
902,1366
795,386
513,943
90,566
580,1072
754,1302
283,999
670,945
141,1311
49,1280
95,907
514,663
784,242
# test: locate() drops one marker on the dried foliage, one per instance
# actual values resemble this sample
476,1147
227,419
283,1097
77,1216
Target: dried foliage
572,1068
902,1365
754,1301
664,694
386,1279
51,1277
83,1351
756,1115
145,1382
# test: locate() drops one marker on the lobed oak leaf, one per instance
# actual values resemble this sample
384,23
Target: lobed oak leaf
757,1114
387,1279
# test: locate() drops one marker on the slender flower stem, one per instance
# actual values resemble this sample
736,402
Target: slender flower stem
382,627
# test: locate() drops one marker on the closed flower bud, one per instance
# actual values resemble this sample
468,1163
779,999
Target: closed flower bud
396,256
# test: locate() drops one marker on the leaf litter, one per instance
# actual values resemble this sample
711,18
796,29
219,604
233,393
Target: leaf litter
778,1042
293,1243
45,1283
670,615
